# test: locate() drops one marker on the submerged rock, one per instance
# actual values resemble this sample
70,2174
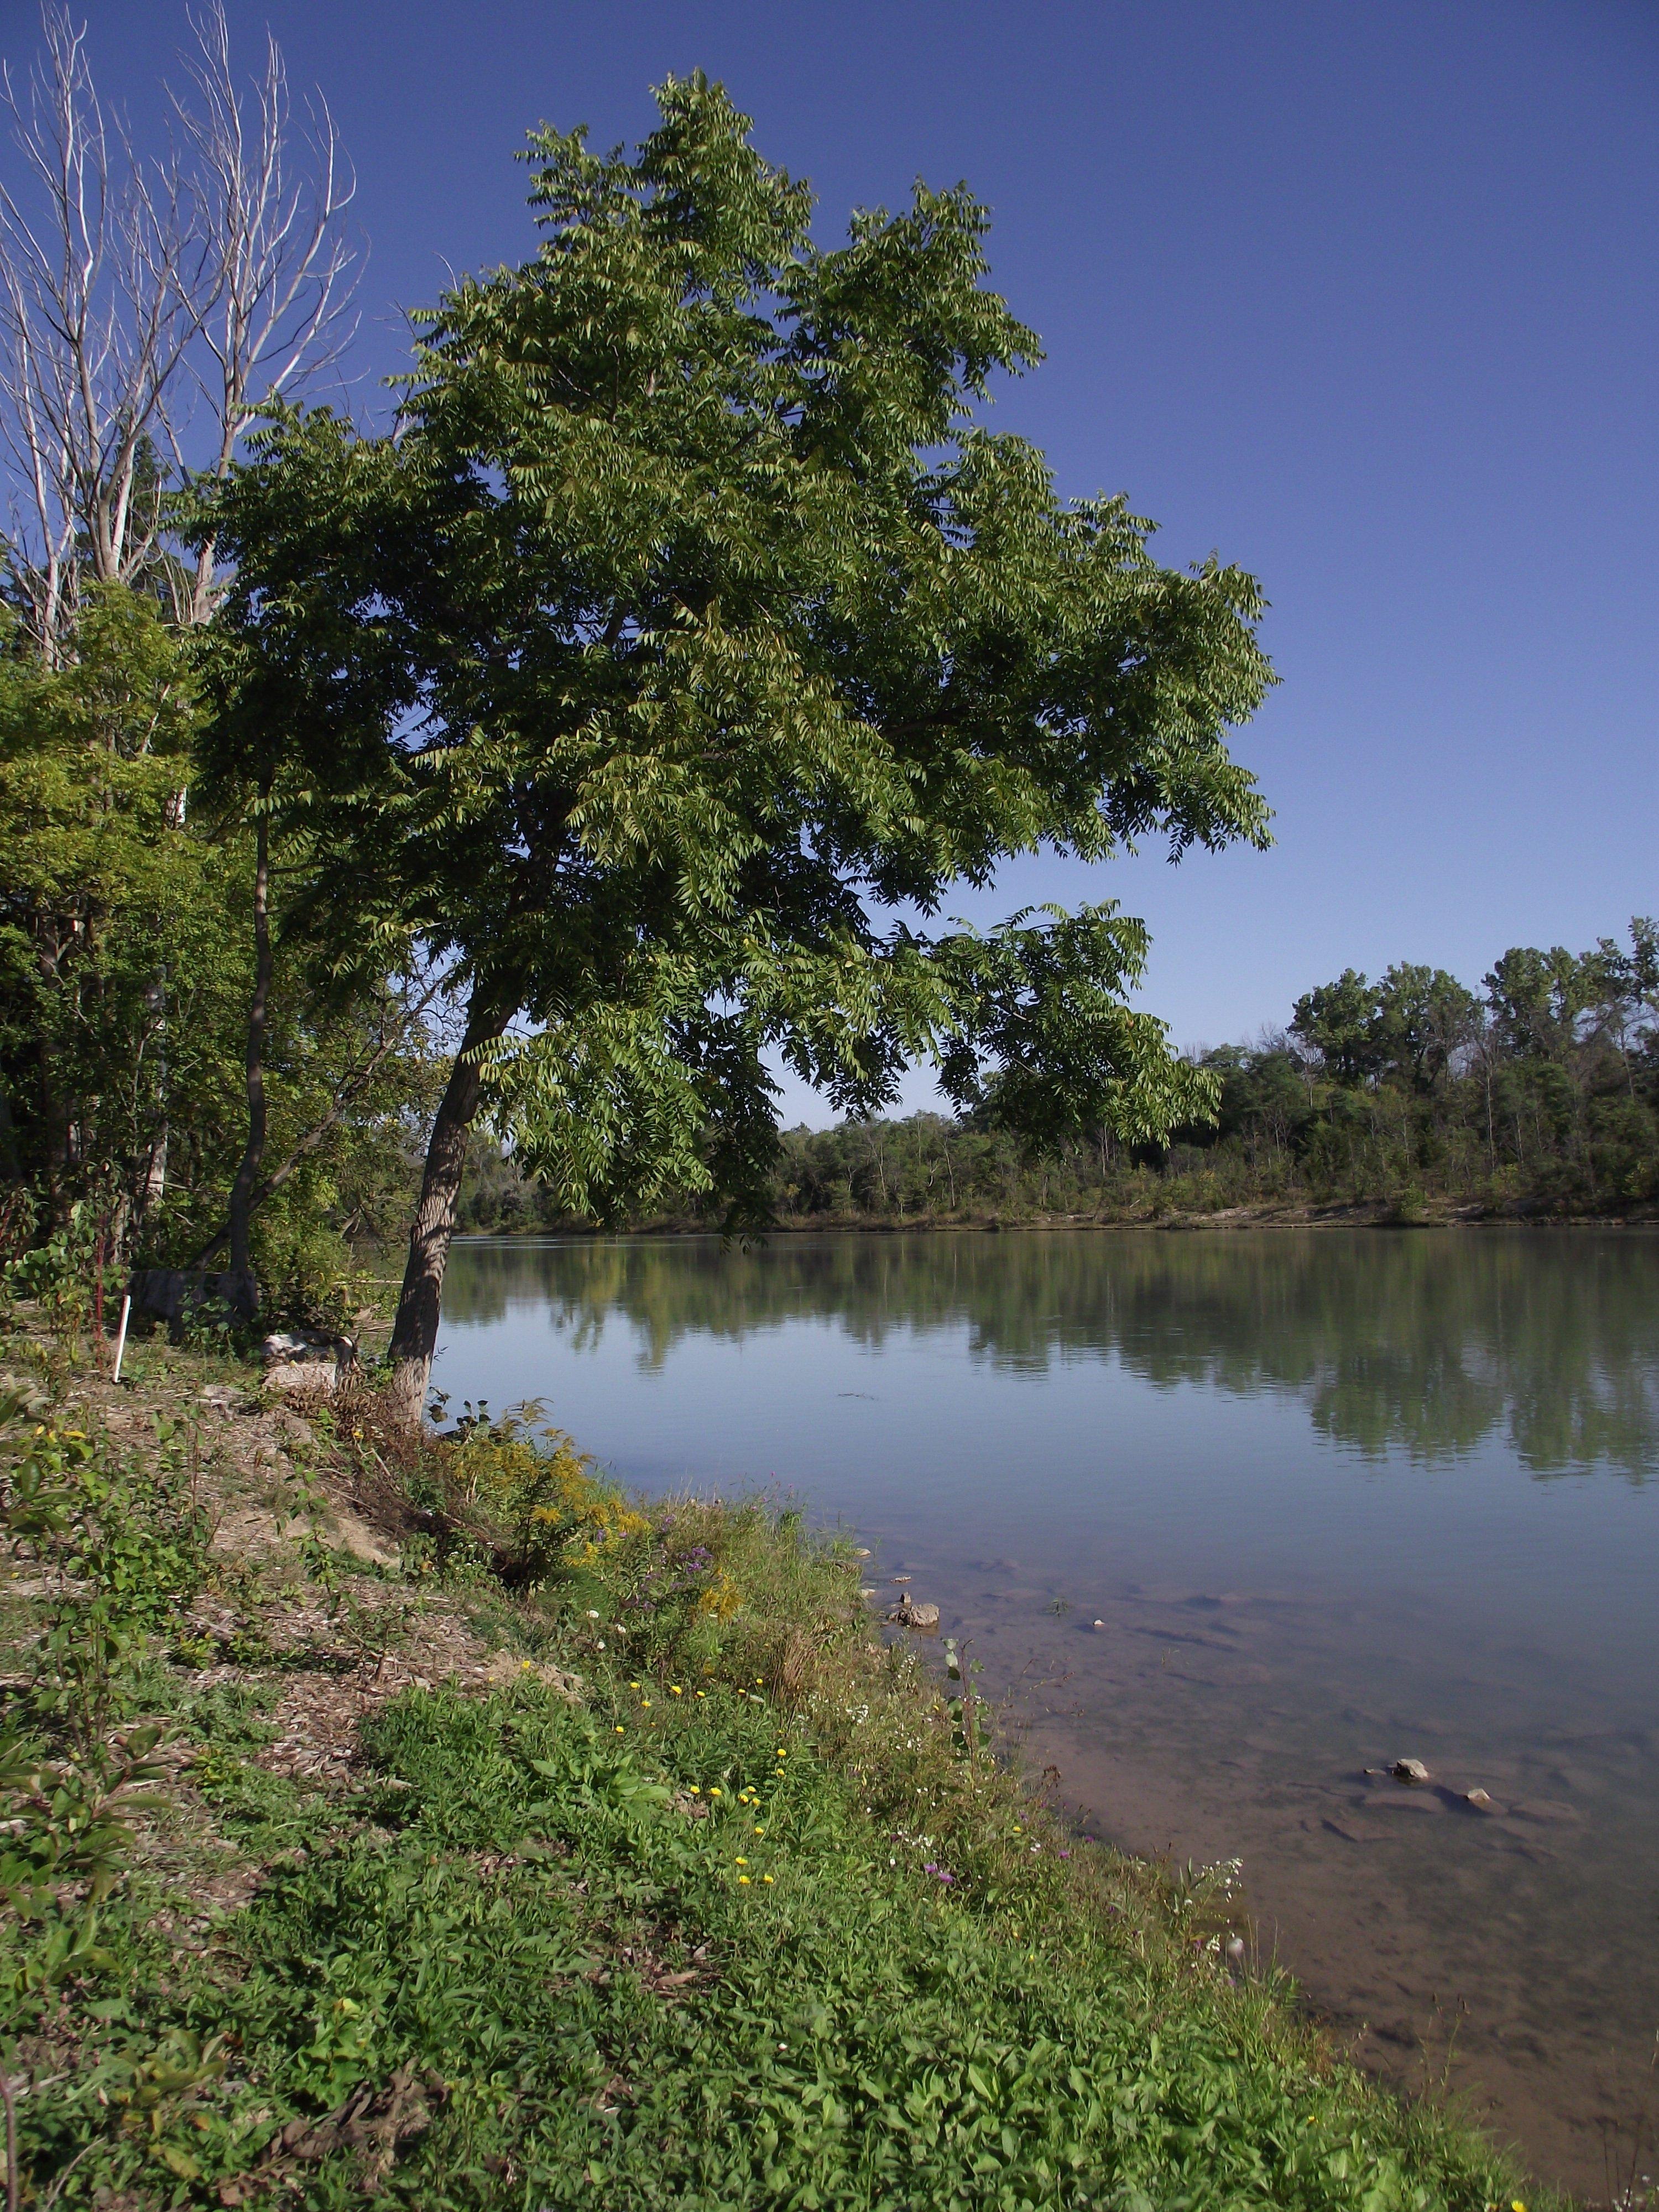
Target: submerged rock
1409,1769
1547,1810
1353,1829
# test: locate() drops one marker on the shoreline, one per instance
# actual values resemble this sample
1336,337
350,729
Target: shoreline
1229,1220
811,1857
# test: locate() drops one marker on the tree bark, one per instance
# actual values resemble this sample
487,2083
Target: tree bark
239,1286
414,1333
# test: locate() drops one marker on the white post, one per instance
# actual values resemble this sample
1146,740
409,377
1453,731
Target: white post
121,1333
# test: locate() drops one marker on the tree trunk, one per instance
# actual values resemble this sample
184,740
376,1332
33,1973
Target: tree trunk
414,1333
56,1110
237,1286
153,1185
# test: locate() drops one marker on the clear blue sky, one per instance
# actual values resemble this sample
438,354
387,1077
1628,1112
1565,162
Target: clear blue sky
1365,297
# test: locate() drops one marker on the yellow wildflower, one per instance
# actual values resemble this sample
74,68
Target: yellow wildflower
743,1862
722,1599
766,1877
744,1879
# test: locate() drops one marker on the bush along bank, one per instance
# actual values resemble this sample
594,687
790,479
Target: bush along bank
430,1826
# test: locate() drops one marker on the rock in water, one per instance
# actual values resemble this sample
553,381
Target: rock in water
907,1613
1409,1769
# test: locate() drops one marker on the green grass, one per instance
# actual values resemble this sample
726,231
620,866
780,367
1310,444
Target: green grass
595,2008
741,1926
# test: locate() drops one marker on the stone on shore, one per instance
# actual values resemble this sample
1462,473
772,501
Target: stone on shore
304,1362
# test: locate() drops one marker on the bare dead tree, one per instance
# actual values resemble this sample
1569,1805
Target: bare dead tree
286,271
134,292
99,279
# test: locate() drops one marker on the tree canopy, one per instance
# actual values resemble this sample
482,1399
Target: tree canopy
702,623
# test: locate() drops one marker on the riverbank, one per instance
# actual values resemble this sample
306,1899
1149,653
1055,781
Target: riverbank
508,1842
1274,1213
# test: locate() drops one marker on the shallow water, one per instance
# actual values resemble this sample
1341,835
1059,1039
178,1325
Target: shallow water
1234,1516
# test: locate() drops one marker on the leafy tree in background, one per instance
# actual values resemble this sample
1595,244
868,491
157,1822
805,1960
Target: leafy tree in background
112,973
1338,1021
284,750
720,626
1537,998
1449,1112
125,971
151,303
1633,984
1411,1024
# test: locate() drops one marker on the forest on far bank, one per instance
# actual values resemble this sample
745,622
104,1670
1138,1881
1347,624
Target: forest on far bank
1537,1095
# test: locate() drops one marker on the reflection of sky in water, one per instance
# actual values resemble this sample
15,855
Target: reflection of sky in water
1424,1346
1333,1412
1414,1464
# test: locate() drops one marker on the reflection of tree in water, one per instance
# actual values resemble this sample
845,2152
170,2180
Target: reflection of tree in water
1417,1342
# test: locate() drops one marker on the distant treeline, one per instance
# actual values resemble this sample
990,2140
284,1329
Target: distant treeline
1539,1093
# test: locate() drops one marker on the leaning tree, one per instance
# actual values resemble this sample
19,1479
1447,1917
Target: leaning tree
686,641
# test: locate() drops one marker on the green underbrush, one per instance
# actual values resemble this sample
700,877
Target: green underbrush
711,1899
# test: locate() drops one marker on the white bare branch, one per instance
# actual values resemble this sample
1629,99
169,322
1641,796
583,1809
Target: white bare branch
282,314
149,307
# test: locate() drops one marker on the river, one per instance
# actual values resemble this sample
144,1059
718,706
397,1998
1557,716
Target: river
1230,1517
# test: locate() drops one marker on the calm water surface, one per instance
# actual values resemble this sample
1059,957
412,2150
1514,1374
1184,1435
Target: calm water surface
1332,1499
